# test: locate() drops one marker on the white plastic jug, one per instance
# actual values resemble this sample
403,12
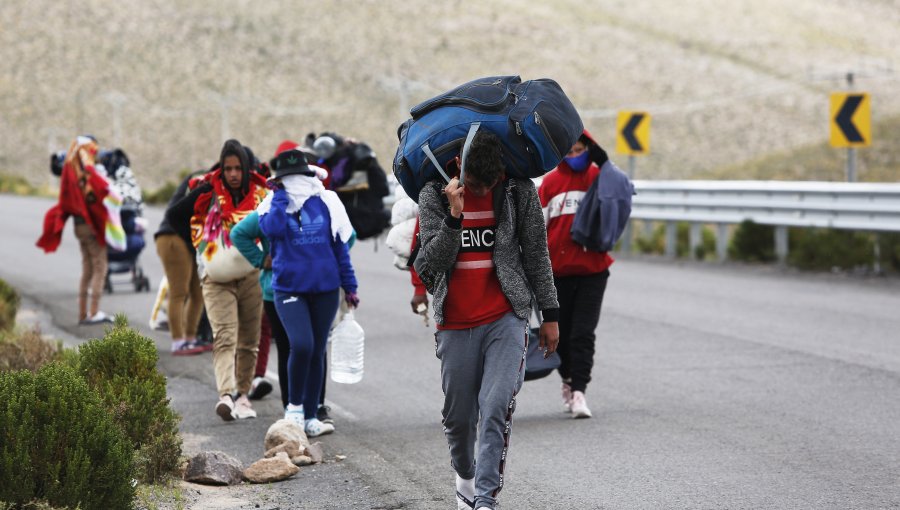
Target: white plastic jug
347,348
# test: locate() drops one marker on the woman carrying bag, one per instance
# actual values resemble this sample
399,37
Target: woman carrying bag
308,230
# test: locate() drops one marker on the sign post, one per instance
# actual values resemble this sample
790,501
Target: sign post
632,139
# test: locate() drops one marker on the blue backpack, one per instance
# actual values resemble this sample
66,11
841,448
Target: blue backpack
534,119
604,210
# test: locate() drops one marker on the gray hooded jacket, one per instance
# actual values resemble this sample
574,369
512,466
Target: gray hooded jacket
521,257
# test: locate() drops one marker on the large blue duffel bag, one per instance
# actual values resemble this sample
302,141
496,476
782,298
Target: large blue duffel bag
534,119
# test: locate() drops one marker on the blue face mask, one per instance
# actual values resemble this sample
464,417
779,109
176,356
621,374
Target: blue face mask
579,163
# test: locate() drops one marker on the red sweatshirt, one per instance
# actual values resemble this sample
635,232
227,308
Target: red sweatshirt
561,191
474,295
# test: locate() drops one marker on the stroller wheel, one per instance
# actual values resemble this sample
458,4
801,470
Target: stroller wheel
107,285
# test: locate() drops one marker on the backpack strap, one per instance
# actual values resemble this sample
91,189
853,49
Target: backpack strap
427,150
465,150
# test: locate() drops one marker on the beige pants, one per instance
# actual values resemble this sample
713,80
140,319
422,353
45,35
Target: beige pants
234,310
93,269
185,295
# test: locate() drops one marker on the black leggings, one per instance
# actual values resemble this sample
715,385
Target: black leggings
284,350
580,299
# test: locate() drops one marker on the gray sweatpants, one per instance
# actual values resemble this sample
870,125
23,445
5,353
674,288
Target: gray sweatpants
482,369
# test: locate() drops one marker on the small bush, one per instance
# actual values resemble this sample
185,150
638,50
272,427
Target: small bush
27,350
31,505
9,306
58,443
16,185
823,249
753,243
655,243
161,195
122,368
889,250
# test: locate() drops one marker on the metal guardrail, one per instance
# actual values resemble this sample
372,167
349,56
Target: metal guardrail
782,204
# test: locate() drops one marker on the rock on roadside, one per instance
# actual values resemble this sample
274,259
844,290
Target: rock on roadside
214,468
274,469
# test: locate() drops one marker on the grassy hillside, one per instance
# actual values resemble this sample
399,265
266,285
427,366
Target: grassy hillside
820,161
168,80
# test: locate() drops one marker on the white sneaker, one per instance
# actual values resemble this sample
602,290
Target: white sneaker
296,416
243,409
579,406
567,397
98,318
465,493
225,408
315,428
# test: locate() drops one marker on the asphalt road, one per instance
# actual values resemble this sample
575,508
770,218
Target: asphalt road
715,386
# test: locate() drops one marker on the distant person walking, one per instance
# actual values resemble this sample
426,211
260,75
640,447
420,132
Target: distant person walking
483,255
308,230
580,275
179,260
231,290
86,195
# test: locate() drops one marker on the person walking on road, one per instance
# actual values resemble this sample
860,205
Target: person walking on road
580,275
308,230
483,256
231,290
87,196
179,260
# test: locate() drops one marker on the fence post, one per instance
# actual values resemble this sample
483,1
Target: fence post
694,239
625,247
781,244
722,242
671,239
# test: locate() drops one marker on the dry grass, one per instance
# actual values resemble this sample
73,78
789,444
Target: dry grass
726,82
27,350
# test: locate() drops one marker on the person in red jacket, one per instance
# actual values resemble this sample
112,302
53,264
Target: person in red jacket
580,275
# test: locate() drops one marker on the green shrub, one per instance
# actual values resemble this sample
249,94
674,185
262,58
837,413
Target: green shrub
823,249
59,444
655,243
889,251
122,368
9,306
31,505
752,242
161,195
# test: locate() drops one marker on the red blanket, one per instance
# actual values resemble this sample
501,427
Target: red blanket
81,193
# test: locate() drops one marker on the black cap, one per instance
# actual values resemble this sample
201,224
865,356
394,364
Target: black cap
290,162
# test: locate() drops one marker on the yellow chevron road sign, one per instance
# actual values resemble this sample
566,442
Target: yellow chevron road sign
850,119
633,133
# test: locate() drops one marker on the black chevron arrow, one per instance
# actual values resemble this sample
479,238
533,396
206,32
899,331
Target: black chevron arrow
844,118
628,132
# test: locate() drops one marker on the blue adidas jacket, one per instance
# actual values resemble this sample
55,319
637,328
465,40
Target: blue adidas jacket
306,258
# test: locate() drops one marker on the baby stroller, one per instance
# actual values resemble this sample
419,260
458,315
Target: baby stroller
116,165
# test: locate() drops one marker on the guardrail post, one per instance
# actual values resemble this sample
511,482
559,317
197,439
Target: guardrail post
671,238
694,239
781,244
722,242
625,247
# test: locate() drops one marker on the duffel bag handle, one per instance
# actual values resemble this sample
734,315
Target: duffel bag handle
465,152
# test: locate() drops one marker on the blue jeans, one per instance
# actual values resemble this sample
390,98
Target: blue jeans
307,320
